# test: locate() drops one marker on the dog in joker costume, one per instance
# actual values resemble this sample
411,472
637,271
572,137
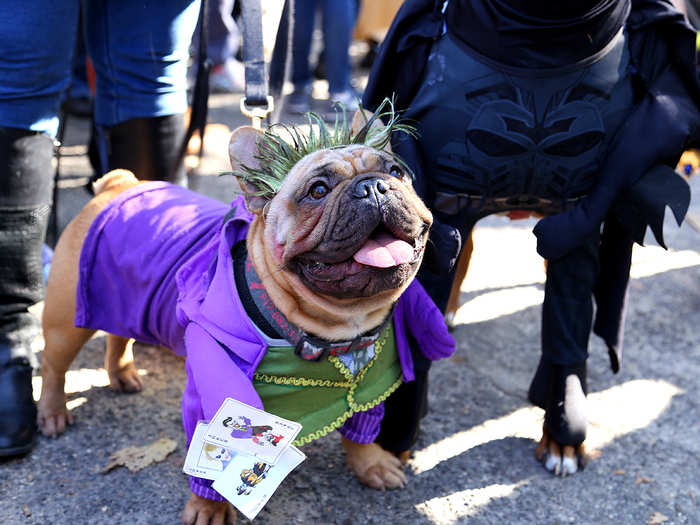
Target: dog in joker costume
298,297
576,112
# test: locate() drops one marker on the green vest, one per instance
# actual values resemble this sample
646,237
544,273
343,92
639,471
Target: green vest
321,395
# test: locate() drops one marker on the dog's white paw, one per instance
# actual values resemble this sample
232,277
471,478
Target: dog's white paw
552,462
560,460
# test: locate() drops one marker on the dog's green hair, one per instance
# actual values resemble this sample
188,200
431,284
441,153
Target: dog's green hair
277,156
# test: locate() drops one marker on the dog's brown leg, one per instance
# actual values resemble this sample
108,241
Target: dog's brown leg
63,340
374,466
119,363
460,273
205,511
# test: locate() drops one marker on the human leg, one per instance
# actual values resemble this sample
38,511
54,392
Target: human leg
140,52
338,22
223,41
224,37
304,18
35,66
78,100
25,202
34,72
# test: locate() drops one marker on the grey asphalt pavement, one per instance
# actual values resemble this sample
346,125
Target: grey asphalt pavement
474,460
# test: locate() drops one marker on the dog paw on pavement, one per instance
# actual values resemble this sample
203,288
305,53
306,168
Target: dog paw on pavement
52,414
202,511
125,379
560,460
373,466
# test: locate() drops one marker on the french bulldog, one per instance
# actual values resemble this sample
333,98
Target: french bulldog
334,247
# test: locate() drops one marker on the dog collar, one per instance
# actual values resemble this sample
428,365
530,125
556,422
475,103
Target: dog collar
266,315
314,348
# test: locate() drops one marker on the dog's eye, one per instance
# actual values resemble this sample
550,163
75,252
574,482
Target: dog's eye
319,190
396,172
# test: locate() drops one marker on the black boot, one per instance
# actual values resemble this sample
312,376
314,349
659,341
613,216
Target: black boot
148,147
26,185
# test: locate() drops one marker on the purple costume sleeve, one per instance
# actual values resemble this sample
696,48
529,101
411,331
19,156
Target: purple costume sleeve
363,427
202,488
416,312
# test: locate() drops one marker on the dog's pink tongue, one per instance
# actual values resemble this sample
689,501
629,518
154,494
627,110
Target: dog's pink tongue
384,251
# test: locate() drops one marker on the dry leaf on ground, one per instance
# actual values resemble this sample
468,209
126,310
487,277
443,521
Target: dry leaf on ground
136,458
656,519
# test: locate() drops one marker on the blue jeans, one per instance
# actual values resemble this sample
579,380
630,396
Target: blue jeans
338,21
139,49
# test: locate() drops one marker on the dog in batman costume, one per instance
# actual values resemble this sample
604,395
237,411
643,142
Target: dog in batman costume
577,111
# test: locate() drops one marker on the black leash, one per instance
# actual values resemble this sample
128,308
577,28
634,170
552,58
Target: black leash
52,228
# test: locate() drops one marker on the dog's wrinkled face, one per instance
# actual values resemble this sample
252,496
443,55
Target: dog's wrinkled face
348,222
345,220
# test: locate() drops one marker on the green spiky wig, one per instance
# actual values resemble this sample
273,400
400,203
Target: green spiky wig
277,156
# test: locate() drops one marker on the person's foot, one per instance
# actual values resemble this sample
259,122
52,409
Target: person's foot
17,408
228,77
298,102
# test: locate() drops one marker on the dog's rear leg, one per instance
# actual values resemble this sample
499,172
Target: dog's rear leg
63,340
119,363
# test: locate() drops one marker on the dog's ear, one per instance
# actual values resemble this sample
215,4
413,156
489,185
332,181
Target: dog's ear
361,118
242,150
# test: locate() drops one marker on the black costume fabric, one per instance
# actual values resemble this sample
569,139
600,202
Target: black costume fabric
536,33
634,179
663,123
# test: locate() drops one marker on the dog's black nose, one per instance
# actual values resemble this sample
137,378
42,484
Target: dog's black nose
370,187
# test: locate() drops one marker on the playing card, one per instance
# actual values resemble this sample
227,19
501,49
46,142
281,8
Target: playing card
242,428
206,460
248,483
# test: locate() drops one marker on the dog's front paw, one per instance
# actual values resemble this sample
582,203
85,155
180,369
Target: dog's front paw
374,466
204,511
125,379
561,391
560,459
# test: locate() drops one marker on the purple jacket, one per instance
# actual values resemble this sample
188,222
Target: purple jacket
176,289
